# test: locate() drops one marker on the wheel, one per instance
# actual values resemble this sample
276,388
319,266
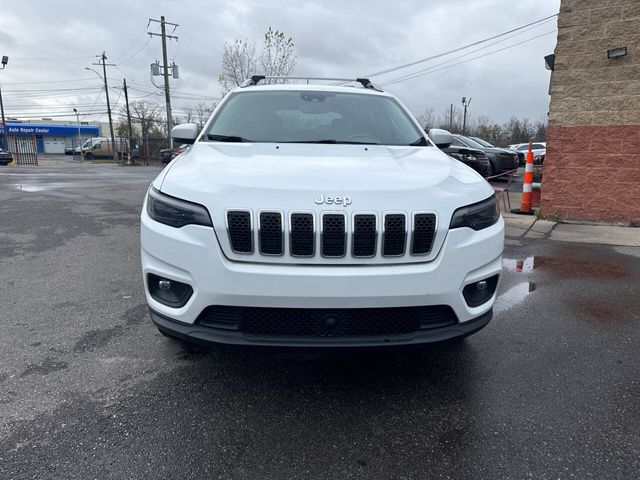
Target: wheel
88,156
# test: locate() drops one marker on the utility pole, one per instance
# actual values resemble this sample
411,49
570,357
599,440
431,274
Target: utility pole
465,104
5,60
75,110
165,67
451,118
103,57
126,99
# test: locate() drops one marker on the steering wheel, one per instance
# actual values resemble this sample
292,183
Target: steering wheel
361,137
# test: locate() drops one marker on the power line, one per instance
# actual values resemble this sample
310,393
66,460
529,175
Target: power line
416,75
464,47
465,54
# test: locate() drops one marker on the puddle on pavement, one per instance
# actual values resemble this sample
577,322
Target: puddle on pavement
568,267
25,187
513,296
521,266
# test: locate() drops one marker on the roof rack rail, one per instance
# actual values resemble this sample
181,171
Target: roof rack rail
365,82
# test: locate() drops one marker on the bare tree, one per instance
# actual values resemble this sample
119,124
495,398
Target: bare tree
278,54
541,130
188,115
240,59
203,112
122,128
238,63
427,119
146,114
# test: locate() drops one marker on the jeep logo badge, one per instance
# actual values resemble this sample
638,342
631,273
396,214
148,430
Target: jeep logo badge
327,200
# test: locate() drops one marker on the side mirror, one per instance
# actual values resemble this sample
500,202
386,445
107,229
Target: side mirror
185,133
441,138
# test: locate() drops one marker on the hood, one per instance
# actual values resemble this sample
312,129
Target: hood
243,173
307,177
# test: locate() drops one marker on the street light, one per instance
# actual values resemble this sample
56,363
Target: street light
5,138
75,110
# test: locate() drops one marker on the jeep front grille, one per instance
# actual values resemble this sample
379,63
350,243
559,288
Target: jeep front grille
424,229
365,235
395,235
240,231
302,236
334,235
271,242
338,234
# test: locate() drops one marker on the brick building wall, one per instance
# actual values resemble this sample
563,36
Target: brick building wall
592,166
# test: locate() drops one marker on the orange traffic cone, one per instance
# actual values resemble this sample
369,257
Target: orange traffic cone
525,204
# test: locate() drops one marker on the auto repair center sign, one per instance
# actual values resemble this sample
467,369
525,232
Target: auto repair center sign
53,130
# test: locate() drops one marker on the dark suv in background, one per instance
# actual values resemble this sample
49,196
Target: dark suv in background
471,157
501,160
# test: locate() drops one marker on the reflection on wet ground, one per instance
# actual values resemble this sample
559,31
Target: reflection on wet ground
30,188
513,296
568,267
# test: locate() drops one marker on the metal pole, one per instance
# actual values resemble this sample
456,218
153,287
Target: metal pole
126,99
4,125
464,120
166,80
106,91
75,110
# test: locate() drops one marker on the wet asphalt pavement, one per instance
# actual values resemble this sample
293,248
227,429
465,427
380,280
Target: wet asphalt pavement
89,388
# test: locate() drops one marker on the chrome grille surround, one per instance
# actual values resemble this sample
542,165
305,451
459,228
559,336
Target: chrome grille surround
331,234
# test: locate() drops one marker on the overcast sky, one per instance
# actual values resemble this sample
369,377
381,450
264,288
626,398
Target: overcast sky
50,43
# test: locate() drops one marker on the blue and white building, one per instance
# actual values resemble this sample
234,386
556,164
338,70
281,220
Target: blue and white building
51,137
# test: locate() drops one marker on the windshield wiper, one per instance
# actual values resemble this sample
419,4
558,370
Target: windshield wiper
226,138
331,141
421,142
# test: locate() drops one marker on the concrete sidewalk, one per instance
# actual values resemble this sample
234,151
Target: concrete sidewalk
527,226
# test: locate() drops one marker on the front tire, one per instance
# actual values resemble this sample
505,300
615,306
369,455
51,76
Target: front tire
88,156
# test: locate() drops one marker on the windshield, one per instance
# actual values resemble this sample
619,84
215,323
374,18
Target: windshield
313,117
470,143
482,142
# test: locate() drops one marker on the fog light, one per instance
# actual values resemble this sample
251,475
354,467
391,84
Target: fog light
169,292
477,293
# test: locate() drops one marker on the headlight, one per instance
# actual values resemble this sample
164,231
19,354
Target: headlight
476,216
468,157
175,213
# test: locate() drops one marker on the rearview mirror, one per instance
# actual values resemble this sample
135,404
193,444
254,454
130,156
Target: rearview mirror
441,138
185,133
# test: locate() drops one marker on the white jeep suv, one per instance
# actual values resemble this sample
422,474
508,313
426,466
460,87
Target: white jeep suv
318,216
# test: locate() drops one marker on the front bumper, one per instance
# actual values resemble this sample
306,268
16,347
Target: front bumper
210,336
192,255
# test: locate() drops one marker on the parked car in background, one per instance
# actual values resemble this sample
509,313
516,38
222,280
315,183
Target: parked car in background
168,154
101,147
471,157
501,159
539,150
5,157
521,157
